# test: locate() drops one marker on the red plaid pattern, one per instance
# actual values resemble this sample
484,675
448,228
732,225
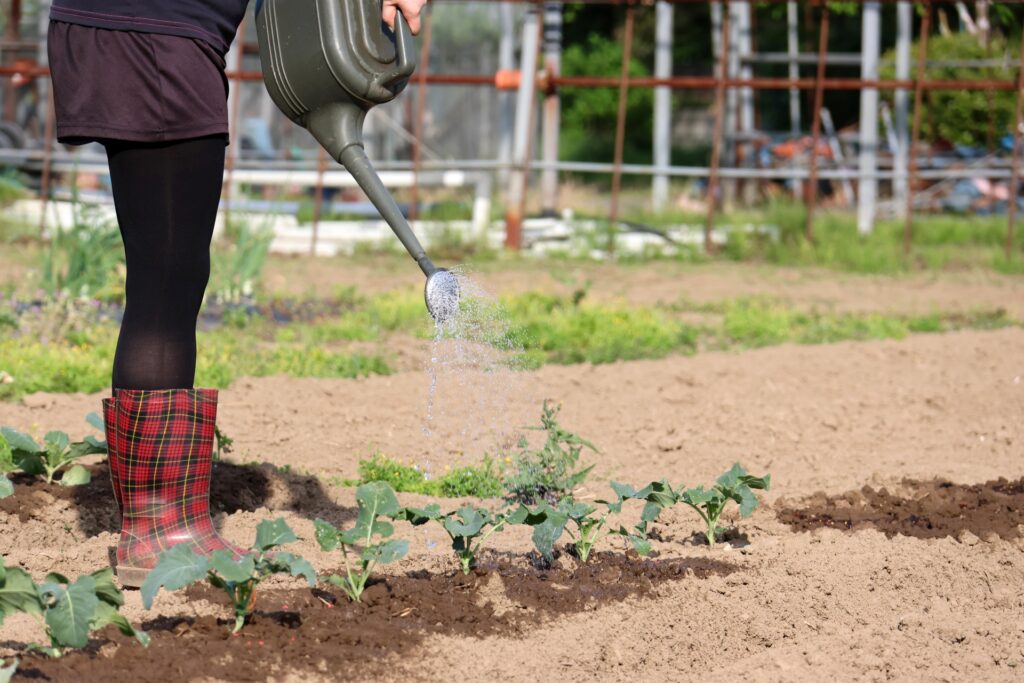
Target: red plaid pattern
164,446
109,425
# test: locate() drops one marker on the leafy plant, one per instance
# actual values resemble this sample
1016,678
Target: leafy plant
550,473
469,527
7,466
366,540
57,454
85,258
735,485
68,611
223,443
477,481
238,577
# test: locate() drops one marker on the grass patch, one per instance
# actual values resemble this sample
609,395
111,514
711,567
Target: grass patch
478,481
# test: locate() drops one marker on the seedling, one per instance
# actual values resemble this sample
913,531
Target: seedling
550,473
734,485
68,611
589,524
366,540
469,527
238,577
6,467
223,444
57,454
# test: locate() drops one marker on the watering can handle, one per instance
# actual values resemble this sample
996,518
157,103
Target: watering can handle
405,50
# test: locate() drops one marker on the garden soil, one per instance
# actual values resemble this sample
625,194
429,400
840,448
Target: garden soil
891,546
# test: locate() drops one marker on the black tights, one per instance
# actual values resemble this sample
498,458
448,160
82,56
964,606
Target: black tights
166,197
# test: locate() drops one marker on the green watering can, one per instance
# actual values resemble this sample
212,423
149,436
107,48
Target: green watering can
325,63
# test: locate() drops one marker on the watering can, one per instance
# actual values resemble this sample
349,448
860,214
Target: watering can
325,63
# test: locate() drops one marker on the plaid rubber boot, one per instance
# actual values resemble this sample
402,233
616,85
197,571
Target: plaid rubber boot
165,456
110,427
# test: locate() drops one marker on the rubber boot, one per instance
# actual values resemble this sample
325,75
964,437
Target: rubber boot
110,427
164,449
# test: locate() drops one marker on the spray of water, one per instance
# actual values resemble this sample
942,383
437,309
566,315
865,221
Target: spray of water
473,404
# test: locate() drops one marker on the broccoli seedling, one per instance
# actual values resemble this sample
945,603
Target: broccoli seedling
735,485
366,540
468,527
68,611
238,577
55,455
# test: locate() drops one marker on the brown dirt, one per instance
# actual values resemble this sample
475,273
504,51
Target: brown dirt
817,584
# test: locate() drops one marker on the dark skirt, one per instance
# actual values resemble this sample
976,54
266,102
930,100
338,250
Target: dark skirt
132,86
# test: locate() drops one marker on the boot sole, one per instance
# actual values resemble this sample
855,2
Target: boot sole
131,577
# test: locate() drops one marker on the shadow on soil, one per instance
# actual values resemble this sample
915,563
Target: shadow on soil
307,630
922,509
233,488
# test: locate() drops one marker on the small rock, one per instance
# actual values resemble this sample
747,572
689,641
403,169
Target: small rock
967,538
672,440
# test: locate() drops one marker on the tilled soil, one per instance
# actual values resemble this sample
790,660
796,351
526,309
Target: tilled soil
890,546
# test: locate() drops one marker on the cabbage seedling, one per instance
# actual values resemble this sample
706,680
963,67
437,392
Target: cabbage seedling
735,485
238,577
68,611
364,546
57,454
468,527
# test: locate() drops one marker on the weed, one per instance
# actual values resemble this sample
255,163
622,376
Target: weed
68,611
478,481
238,577
366,540
551,472
223,443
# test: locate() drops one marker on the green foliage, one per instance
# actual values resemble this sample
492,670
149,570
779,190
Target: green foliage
735,485
68,611
56,455
468,527
549,473
478,481
962,116
238,577
223,444
237,269
85,259
368,542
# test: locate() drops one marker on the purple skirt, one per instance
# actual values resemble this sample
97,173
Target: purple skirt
139,87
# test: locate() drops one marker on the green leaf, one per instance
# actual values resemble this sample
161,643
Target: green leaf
6,487
76,476
19,441
732,478
698,496
176,568
89,446
640,544
30,463
230,569
294,565
467,522
106,589
108,614
389,551
272,533
96,421
419,516
763,483
377,498
6,457
547,532
326,535
68,620
748,501
7,672
383,529
650,512
18,593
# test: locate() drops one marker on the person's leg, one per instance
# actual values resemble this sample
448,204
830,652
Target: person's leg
160,429
166,197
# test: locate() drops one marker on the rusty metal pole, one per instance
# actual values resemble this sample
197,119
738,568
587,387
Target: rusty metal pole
421,107
44,187
922,56
318,198
236,98
530,135
522,140
716,143
1018,132
620,125
819,97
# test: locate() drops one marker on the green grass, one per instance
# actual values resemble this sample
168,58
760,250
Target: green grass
478,481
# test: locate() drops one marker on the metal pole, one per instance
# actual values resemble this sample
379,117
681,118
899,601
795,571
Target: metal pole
745,105
1018,132
506,101
922,55
523,125
552,105
901,100
867,186
716,143
421,107
731,114
664,14
793,49
620,123
819,98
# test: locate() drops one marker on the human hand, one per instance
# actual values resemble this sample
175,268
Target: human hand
410,10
